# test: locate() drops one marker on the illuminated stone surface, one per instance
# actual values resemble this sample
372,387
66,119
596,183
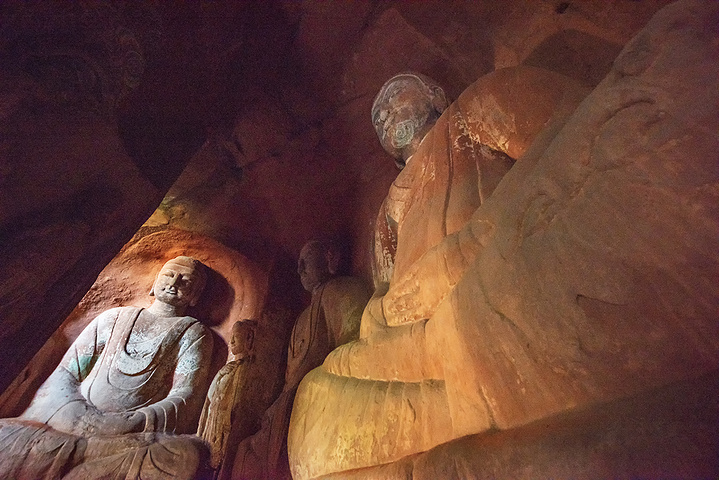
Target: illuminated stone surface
585,277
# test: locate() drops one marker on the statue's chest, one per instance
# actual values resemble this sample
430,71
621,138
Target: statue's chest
137,364
143,341
141,344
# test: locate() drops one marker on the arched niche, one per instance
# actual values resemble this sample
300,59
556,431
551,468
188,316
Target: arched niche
236,290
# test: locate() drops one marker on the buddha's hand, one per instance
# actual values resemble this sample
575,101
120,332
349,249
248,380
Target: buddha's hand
373,320
96,423
415,295
69,417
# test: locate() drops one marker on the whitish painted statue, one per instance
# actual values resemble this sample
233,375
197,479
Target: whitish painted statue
222,417
332,319
130,383
587,275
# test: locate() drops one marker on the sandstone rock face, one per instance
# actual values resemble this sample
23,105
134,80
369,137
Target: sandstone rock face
667,432
94,130
596,273
587,276
63,209
301,159
236,290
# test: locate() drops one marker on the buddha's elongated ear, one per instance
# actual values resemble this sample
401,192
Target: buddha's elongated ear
333,261
152,288
439,99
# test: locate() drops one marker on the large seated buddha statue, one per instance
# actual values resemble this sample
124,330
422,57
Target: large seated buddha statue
130,384
542,250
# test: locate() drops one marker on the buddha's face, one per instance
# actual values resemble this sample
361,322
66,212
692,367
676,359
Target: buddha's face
403,117
242,338
313,267
178,284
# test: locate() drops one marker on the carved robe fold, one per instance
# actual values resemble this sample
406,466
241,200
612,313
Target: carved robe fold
110,368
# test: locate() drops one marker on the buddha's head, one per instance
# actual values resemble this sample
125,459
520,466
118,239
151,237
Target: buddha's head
180,282
243,338
318,262
404,110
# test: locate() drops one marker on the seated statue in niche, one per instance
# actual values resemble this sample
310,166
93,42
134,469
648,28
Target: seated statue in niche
584,276
132,381
332,319
222,416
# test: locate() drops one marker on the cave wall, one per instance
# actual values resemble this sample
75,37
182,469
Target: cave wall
301,159
86,157
247,122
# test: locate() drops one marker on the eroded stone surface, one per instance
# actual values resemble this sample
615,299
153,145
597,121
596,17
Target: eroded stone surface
75,184
314,167
663,433
585,277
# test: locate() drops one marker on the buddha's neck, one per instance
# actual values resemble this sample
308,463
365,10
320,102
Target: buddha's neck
162,309
241,357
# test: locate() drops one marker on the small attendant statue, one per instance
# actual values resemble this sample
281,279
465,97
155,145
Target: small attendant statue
222,411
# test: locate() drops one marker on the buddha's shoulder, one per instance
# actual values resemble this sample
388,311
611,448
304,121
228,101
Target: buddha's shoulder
115,311
112,314
194,330
193,326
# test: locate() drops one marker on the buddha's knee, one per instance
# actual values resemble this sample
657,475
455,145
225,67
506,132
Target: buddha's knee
340,423
146,456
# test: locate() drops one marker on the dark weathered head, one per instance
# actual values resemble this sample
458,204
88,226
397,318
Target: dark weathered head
318,262
404,110
243,338
180,282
